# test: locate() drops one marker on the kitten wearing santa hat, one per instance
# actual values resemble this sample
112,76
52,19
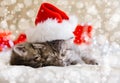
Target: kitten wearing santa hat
50,43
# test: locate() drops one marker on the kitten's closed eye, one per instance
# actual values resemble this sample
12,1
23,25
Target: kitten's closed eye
37,57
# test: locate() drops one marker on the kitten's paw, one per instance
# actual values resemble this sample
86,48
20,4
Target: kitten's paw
89,61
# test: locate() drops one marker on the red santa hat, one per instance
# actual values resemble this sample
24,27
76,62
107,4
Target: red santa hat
51,24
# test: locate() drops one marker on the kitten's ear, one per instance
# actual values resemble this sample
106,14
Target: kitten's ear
20,50
56,44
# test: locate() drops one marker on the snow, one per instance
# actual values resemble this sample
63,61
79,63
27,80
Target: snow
8,2
27,2
4,24
104,15
30,13
79,5
23,24
92,10
3,11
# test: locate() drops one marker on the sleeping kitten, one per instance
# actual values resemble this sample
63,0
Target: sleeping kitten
54,53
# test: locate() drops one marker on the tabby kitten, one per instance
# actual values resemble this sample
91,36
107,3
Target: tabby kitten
53,53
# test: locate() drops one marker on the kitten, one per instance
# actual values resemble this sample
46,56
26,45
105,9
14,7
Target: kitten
53,53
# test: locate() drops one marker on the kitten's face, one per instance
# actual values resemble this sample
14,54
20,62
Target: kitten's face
36,54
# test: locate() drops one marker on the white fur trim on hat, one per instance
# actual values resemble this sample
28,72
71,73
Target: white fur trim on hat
52,30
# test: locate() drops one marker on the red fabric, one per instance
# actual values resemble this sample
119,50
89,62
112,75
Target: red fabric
6,33
5,41
21,38
47,10
79,33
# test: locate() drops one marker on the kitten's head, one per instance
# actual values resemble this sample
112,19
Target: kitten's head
37,54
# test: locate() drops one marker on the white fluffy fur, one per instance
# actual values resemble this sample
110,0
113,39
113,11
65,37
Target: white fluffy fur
52,30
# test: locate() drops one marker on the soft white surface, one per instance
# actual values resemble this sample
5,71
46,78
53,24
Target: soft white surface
71,74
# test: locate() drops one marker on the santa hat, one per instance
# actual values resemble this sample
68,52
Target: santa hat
51,24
